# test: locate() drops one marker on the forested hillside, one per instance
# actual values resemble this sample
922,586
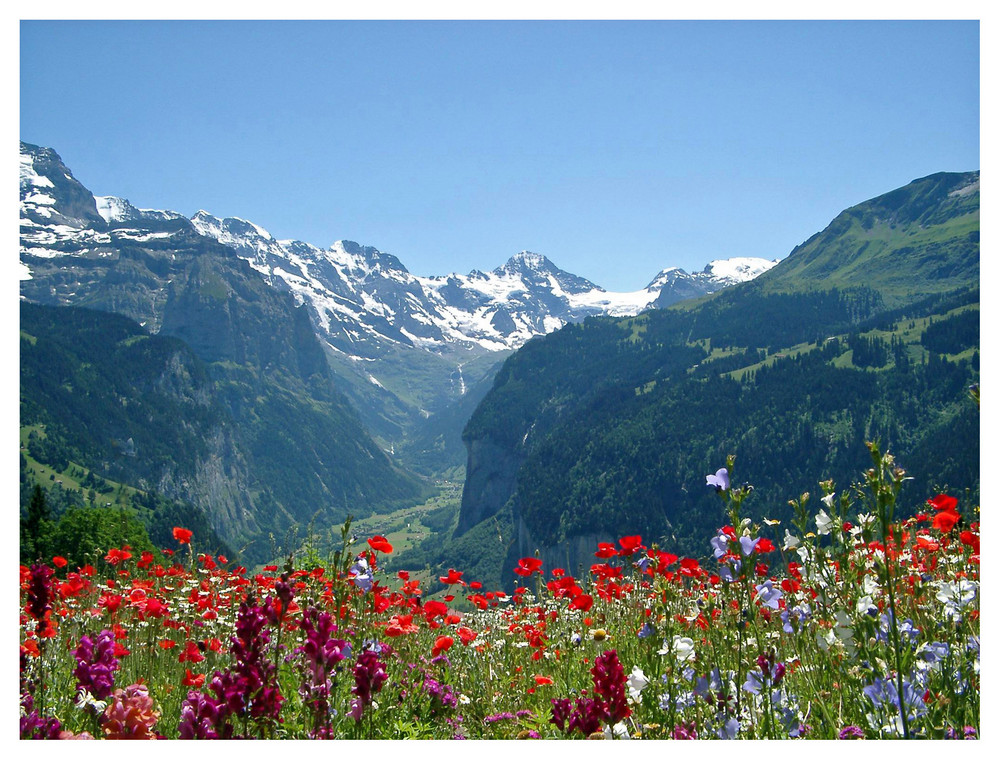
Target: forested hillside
610,427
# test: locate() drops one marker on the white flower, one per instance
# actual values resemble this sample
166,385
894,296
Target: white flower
955,596
85,699
828,500
682,648
823,521
790,541
637,681
620,731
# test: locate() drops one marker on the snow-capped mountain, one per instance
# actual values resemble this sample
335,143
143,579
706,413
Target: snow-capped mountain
360,298
358,294
404,346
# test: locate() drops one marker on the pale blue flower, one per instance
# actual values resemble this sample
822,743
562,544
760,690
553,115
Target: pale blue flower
720,480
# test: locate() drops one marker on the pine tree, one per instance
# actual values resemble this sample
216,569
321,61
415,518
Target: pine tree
36,528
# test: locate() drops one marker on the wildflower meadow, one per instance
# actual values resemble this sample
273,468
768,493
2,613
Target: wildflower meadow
841,623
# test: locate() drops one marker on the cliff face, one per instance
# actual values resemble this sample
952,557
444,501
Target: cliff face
490,480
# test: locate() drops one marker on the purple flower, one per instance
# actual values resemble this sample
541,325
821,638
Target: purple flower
322,654
609,685
851,732
646,631
33,725
720,544
369,675
685,731
587,716
768,594
748,544
560,713
200,716
361,574
729,729
40,592
720,480
96,664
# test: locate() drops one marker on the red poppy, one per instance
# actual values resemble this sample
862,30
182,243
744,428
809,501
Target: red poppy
527,566
191,653
764,546
442,644
467,635
479,600
543,680
192,679
403,575
630,544
945,521
59,561
167,643
434,608
379,544
928,544
453,576
605,550
182,535
115,556
583,602
689,566
943,502
399,625
970,539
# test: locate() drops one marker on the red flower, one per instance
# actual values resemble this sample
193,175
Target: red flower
379,544
583,602
192,679
399,625
442,644
970,539
527,566
191,653
59,561
467,635
764,546
118,555
945,521
167,643
434,608
605,551
928,544
630,544
543,680
182,535
943,502
689,566
453,576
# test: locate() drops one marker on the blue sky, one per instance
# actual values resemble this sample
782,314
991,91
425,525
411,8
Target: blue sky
614,148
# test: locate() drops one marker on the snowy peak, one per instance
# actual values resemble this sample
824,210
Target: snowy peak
362,301
738,269
119,212
675,284
51,195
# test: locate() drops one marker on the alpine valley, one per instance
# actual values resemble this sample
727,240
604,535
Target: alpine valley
198,371
198,367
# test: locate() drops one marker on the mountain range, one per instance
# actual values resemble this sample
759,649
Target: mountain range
869,331
305,384
404,347
327,371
